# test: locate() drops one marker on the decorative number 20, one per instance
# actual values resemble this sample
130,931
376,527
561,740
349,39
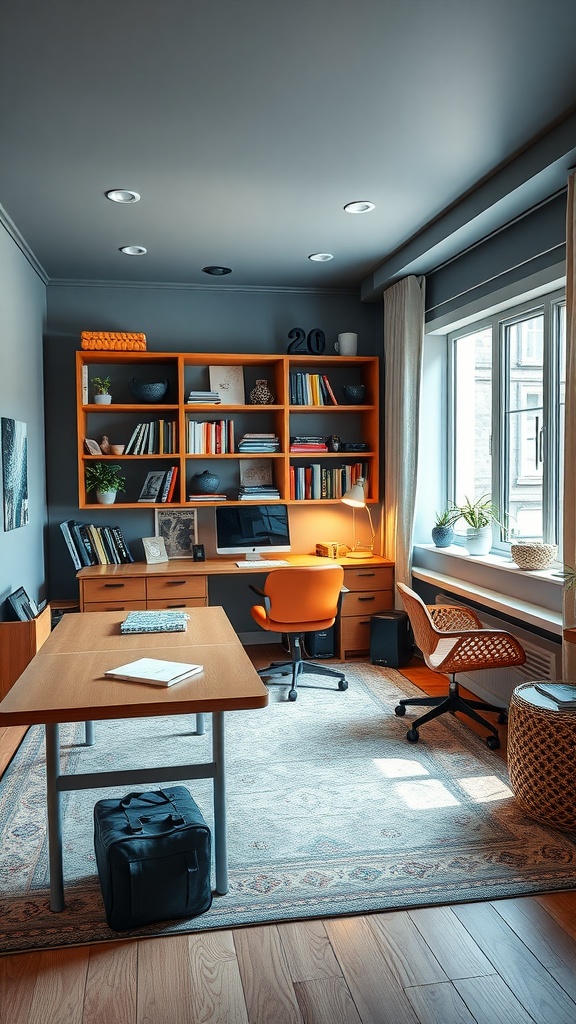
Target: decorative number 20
315,341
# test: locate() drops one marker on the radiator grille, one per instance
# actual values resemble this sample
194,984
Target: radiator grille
543,660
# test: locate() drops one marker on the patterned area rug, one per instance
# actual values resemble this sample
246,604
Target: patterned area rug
331,812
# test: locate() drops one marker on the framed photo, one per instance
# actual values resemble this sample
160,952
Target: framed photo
256,473
20,607
152,486
154,550
14,473
198,553
228,381
178,528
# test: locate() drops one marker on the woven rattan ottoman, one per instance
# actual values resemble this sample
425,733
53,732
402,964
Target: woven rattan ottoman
542,757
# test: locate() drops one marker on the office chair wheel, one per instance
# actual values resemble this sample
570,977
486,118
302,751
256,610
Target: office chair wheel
493,742
342,684
292,695
400,710
502,718
412,735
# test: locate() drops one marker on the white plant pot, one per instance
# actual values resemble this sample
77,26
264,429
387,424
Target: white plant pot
102,399
106,497
478,542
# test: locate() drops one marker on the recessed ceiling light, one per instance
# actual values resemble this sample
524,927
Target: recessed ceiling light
123,195
134,250
362,206
216,271
321,257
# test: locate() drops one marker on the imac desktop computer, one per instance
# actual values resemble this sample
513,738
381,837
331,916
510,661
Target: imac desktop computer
254,531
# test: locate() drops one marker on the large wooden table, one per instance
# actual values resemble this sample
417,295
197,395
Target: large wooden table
65,683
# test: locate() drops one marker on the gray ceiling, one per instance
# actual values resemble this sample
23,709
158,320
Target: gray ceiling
246,125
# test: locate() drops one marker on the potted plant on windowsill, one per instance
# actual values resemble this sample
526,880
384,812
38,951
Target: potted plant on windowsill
102,394
106,479
479,516
443,529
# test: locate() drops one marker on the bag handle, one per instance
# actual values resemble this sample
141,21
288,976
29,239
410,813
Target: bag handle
137,818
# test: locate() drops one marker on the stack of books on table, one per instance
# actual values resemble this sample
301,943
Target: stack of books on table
203,398
95,545
216,496
258,493
308,443
259,443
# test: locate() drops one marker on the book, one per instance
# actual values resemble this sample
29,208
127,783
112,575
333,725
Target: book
152,486
563,694
126,556
155,621
154,670
172,487
66,528
166,485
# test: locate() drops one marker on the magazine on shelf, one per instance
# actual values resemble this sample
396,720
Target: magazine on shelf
155,671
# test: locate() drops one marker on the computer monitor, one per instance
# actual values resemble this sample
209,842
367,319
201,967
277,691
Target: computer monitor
252,530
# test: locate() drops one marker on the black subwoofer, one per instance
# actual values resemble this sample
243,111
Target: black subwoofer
391,639
320,644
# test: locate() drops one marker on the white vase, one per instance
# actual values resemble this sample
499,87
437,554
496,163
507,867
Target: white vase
102,399
105,497
478,541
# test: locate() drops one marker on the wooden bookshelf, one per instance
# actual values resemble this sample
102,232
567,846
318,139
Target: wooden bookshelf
354,424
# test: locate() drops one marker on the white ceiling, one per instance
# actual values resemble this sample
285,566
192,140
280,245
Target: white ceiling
246,125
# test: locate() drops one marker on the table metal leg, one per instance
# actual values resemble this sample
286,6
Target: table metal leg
220,828
89,734
54,809
200,726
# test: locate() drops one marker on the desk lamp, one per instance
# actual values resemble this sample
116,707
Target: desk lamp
356,499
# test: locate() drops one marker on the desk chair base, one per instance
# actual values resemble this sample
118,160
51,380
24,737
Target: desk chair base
297,668
452,703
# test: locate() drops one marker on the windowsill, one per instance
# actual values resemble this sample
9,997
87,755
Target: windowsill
535,598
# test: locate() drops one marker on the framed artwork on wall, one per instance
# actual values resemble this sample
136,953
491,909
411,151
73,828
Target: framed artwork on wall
14,473
178,528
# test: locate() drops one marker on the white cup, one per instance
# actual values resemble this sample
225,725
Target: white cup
347,344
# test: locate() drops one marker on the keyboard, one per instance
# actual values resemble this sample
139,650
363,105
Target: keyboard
261,563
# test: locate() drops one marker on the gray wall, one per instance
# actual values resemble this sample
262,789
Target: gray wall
22,317
174,320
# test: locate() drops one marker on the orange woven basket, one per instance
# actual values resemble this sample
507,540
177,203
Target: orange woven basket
112,341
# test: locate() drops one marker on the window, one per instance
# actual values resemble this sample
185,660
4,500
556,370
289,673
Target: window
507,414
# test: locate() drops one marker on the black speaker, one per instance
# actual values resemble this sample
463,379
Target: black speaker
391,639
320,644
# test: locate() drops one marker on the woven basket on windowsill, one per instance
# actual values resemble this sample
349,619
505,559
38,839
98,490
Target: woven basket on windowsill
533,556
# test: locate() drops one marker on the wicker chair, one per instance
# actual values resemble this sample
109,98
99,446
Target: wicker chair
452,639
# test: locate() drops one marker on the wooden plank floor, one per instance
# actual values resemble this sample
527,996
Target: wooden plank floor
509,960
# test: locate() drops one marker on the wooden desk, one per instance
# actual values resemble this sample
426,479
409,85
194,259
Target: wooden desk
369,587
65,683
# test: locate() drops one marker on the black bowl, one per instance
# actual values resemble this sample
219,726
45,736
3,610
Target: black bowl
153,392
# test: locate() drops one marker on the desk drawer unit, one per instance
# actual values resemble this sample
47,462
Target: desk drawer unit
369,591
191,590
116,593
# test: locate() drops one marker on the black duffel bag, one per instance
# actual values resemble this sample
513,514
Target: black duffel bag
153,852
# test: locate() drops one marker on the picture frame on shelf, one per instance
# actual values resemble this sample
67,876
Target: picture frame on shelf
228,381
154,550
152,486
256,473
178,528
20,607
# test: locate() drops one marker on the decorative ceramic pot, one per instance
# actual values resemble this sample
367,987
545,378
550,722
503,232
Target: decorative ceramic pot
205,483
478,541
442,536
261,394
102,399
354,393
152,392
106,497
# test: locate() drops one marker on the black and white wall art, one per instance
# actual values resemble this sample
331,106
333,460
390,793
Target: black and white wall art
14,473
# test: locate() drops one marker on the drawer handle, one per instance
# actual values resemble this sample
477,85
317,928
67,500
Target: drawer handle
366,573
112,586
175,583
176,605
371,598
366,622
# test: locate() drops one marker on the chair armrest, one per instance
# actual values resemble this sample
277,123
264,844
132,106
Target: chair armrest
482,648
256,590
453,617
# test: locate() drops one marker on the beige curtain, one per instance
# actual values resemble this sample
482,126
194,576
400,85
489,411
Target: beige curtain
569,529
403,346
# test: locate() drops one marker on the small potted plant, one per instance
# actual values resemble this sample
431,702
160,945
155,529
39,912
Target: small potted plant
102,394
443,529
479,516
106,479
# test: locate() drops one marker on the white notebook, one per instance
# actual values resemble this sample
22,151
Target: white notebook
155,671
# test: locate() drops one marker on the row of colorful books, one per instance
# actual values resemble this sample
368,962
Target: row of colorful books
316,482
155,438
95,545
210,437
311,389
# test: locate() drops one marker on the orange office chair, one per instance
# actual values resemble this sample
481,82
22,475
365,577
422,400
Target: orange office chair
297,601
452,639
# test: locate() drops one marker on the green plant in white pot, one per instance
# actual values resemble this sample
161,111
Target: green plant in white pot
479,517
102,394
106,479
